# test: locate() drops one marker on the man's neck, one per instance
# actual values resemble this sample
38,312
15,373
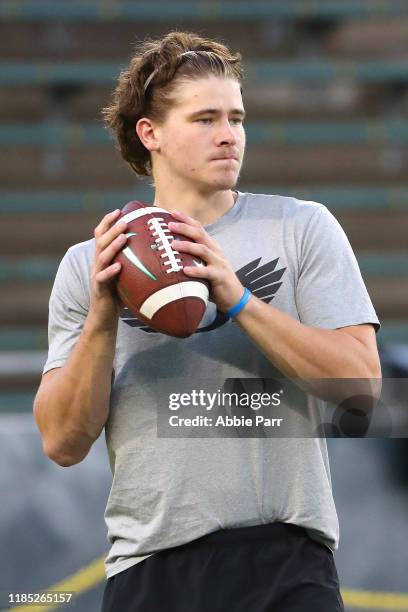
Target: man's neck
206,209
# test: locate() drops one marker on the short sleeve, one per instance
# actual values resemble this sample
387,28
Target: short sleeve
68,309
330,291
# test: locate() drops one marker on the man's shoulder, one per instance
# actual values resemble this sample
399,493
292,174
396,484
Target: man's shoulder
281,205
81,251
77,261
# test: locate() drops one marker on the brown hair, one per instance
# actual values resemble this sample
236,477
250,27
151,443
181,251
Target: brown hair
145,89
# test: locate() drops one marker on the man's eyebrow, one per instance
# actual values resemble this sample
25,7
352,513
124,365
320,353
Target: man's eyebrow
214,111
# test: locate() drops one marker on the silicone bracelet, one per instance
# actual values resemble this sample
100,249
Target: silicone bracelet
240,305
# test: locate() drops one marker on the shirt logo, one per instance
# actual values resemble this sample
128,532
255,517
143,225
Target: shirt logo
262,280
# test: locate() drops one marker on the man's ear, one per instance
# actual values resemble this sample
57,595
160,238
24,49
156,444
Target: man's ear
147,133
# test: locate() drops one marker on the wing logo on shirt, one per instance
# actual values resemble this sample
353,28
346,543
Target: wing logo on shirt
262,280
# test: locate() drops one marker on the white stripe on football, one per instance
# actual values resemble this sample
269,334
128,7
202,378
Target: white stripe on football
172,293
140,212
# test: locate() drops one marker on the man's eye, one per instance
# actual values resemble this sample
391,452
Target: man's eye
205,120
237,121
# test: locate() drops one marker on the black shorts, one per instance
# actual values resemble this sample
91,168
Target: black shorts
266,568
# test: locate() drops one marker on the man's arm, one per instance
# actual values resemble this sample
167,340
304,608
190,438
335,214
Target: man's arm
299,351
316,358
72,403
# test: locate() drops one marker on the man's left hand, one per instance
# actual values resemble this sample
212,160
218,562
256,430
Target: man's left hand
225,287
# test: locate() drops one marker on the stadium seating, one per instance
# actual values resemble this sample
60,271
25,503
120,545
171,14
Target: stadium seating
327,104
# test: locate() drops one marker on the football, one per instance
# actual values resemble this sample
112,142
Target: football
151,282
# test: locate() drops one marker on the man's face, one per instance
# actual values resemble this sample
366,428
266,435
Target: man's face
202,140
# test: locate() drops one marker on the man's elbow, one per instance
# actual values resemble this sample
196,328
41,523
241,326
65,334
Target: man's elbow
376,377
377,386
61,458
370,379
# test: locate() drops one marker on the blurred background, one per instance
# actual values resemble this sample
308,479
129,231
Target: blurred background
326,96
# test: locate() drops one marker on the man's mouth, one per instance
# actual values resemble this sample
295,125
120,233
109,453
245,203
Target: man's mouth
225,157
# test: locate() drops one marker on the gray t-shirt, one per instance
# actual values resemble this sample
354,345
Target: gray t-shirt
169,491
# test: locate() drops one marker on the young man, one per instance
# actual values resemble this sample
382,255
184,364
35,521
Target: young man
215,524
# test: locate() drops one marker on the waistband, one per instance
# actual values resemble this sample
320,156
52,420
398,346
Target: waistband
255,533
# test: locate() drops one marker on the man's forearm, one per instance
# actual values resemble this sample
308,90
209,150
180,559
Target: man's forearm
72,407
300,351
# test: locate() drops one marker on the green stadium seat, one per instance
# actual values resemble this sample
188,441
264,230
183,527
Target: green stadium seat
68,10
257,72
291,133
374,37
78,167
326,99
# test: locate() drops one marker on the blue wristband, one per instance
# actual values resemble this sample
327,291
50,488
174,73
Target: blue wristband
240,305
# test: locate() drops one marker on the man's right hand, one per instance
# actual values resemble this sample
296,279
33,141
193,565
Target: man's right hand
104,301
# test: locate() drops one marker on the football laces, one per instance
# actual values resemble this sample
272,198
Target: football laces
162,239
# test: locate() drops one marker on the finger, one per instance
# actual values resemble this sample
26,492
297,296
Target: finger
196,249
196,233
106,222
108,273
105,257
110,235
205,272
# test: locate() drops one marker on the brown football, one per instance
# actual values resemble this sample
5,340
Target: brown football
152,283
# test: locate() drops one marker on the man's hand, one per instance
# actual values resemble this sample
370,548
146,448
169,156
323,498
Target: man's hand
226,289
109,240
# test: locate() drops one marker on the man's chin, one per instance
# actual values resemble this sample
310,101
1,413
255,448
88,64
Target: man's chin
216,182
225,182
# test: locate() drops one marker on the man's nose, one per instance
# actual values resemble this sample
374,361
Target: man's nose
225,133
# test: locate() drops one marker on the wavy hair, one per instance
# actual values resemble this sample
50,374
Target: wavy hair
148,87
